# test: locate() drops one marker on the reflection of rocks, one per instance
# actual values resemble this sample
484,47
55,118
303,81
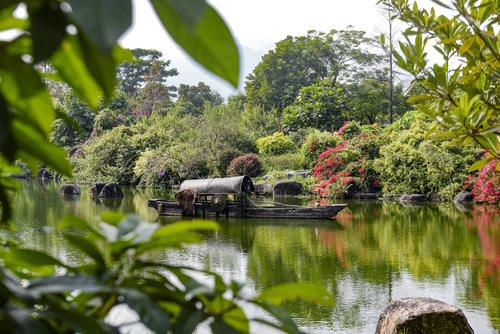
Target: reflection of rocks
111,203
105,190
464,206
263,188
287,188
435,197
394,197
365,196
70,189
415,315
464,197
413,198
70,197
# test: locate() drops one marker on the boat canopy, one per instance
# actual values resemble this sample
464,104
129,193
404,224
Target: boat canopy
225,185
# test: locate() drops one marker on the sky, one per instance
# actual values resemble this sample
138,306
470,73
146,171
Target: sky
257,26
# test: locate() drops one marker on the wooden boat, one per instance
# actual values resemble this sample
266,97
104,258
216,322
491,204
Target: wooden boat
227,197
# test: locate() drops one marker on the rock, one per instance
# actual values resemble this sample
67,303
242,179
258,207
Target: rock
435,197
267,177
287,188
70,189
394,197
263,188
413,198
464,198
420,315
43,173
111,190
365,196
96,188
302,173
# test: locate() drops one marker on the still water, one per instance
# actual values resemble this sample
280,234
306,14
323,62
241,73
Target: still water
373,253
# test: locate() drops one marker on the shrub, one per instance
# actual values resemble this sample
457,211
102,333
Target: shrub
486,185
245,165
224,158
349,130
283,162
155,168
276,144
316,143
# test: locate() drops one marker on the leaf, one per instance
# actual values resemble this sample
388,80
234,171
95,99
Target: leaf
382,39
70,65
71,221
219,327
478,165
419,98
32,143
154,317
7,146
32,258
67,283
103,22
237,319
128,224
185,226
112,217
288,325
86,246
48,27
23,322
8,21
310,292
206,39
188,321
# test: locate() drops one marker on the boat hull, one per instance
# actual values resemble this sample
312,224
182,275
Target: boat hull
170,208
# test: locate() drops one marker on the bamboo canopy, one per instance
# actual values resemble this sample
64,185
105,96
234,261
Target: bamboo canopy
226,185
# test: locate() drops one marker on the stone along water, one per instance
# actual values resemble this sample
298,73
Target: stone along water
375,252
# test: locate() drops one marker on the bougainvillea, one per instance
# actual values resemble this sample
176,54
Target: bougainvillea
346,169
486,185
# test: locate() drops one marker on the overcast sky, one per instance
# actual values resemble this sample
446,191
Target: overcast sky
257,25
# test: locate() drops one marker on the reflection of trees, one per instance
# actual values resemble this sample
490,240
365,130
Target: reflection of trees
369,248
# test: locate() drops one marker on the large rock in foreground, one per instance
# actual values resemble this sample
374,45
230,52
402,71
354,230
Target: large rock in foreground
287,188
420,315
70,189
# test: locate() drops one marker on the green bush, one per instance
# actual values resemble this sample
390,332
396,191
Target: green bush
155,168
316,143
245,165
290,161
276,144
224,158
412,164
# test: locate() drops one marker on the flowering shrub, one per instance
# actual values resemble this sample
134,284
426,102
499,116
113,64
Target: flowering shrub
154,168
486,185
316,143
348,168
349,130
245,165
224,158
276,144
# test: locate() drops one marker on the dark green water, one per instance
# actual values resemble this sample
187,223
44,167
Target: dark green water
373,253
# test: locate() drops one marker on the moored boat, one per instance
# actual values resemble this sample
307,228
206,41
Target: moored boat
227,197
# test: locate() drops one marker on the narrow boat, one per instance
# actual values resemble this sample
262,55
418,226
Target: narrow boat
227,197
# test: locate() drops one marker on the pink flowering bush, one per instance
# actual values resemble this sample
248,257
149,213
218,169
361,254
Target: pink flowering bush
315,144
486,185
347,168
154,168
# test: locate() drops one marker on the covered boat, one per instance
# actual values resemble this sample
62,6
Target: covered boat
228,197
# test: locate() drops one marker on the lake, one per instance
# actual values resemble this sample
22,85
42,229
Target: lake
373,253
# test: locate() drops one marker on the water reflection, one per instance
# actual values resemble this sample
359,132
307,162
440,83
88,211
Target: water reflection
373,253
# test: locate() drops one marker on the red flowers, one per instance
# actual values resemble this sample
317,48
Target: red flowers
486,185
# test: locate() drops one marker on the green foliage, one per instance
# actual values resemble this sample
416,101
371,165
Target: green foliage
298,62
121,269
282,162
197,96
276,144
224,158
404,123
245,165
460,92
319,105
155,168
411,164
258,122
316,143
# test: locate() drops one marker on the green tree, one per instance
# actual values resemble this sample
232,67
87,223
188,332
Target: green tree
319,105
297,62
70,134
461,90
197,96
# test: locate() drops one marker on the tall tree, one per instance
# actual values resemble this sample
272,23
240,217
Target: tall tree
198,95
298,62
146,67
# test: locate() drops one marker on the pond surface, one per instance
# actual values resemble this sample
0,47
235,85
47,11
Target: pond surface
373,253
